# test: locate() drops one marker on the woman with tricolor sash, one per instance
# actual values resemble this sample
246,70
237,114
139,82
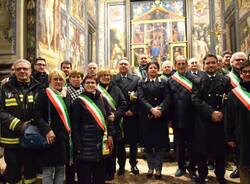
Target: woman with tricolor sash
154,101
52,119
91,133
118,105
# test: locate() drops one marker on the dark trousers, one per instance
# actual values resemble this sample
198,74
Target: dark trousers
18,159
183,146
133,154
219,167
91,172
119,152
70,173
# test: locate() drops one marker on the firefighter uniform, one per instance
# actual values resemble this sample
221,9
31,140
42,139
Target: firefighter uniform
16,107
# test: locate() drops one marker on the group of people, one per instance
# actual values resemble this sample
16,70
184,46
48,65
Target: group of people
88,119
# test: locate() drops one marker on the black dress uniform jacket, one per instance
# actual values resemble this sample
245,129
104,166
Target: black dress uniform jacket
182,111
16,107
208,96
57,153
87,134
154,131
131,124
237,125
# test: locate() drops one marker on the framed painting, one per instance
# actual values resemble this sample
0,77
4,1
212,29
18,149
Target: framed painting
116,29
76,45
8,27
244,28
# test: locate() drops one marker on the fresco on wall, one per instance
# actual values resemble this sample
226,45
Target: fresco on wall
91,9
77,10
117,33
157,27
66,43
245,33
7,27
200,29
244,7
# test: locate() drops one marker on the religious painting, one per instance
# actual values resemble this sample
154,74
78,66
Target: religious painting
63,4
48,22
91,9
77,10
7,27
136,53
31,30
244,7
227,3
244,27
155,25
63,36
116,32
76,45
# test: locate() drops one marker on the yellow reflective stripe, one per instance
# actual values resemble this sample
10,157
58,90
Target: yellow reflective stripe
30,99
10,100
21,97
28,181
13,123
9,140
10,104
19,182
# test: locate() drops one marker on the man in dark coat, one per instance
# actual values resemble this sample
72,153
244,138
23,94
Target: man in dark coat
128,85
237,118
194,67
182,114
39,72
207,98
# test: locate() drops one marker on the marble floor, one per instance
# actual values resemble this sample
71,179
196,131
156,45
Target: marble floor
168,172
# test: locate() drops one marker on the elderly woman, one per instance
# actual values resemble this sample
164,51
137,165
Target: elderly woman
52,119
154,101
117,102
91,133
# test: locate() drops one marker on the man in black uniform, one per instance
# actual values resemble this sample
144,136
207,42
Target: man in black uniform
128,85
16,111
207,97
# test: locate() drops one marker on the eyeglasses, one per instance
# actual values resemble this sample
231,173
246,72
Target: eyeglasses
245,72
57,79
20,69
88,82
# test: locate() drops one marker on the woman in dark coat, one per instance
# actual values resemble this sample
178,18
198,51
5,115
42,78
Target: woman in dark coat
91,133
117,102
49,103
154,101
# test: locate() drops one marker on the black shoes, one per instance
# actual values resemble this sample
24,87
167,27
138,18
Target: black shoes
235,174
120,171
158,175
180,172
135,170
150,174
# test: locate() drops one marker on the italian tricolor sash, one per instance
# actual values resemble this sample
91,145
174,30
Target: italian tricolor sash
107,96
243,95
183,81
100,120
234,79
61,109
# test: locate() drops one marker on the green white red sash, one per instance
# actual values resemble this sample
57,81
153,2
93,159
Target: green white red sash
243,95
61,109
234,79
183,81
100,120
107,96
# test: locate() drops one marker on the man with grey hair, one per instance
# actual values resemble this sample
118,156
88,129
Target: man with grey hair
16,112
167,69
194,67
236,60
92,69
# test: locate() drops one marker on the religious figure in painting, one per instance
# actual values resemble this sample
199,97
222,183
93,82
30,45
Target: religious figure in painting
49,21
